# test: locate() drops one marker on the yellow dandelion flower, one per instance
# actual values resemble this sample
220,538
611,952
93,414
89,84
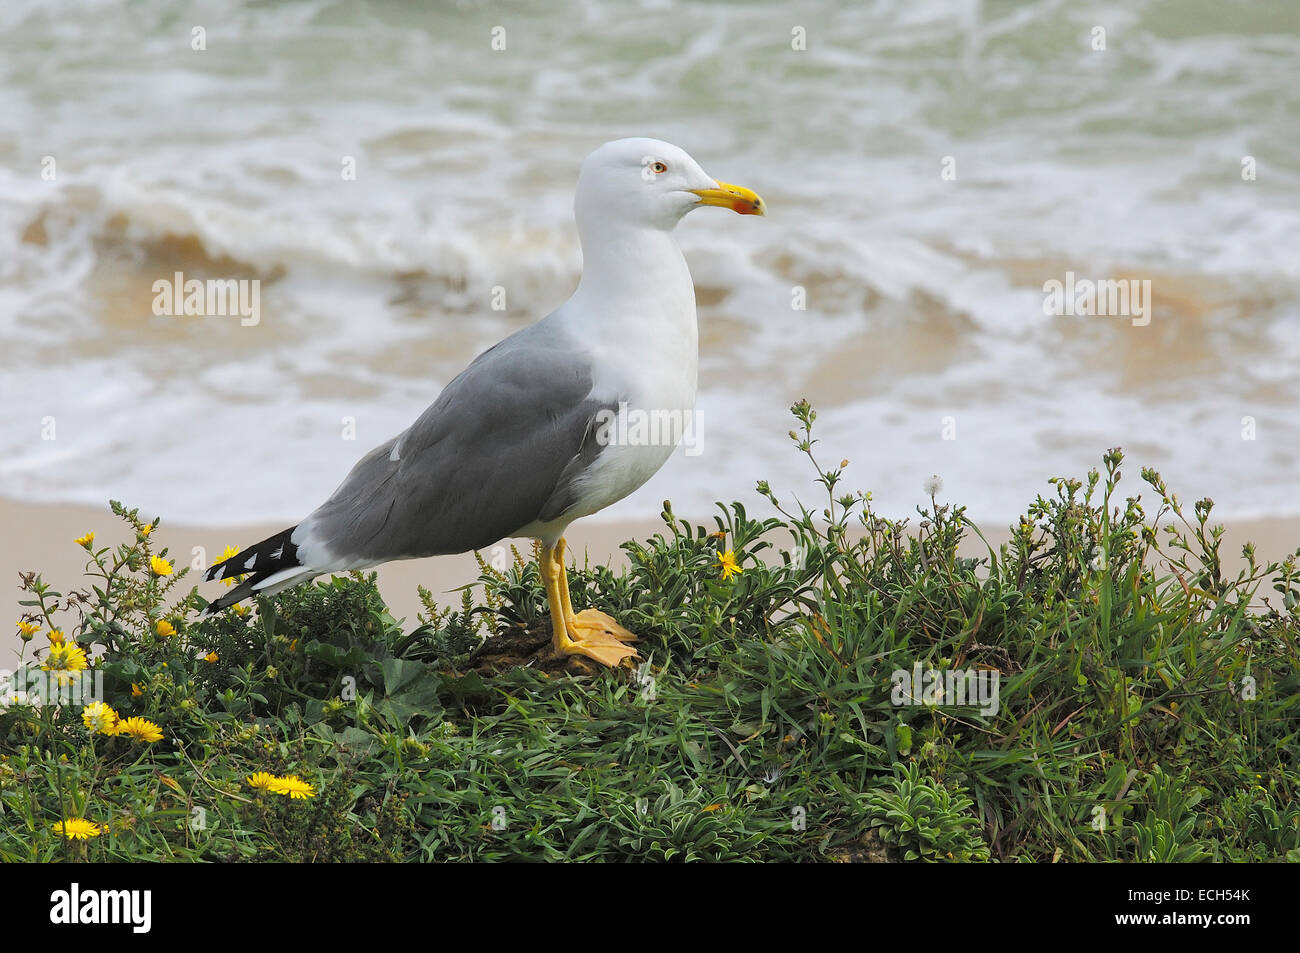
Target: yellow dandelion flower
55,636
240,610
164,628
65,659
28,629
99,717
160,566
77,828
262,780
139,729
85,540
210,657
136,690
294,787
727,563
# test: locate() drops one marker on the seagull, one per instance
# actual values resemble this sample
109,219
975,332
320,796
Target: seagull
545,427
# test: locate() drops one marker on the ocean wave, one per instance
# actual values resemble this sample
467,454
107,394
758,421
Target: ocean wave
891,295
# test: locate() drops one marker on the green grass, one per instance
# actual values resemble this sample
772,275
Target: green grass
1147,705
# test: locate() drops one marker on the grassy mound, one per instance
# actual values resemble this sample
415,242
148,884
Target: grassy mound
1143,701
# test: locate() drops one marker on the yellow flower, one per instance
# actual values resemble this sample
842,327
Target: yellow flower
65,658
210,657
145,531
76,828
139,729
262,780
160,566
136,690
164,628
85,540
240,610
99,717
294,787
226,554
28,629
55,636
727,563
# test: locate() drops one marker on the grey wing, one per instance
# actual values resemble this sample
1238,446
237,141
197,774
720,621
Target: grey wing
497,450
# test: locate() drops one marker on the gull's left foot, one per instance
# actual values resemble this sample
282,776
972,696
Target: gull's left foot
591,632
594,624
610,654
596,635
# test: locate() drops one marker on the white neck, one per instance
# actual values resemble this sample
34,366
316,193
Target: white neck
635,285
634,310
629,262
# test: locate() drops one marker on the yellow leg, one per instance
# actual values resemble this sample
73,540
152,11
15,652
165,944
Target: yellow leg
566,597
591,633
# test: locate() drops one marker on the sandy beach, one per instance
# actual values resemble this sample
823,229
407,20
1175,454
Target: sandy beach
40,537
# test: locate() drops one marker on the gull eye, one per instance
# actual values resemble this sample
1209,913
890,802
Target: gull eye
659,168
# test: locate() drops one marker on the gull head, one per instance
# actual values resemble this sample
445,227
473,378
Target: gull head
653,183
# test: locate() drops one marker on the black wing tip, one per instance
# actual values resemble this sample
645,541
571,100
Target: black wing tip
238,594
265,564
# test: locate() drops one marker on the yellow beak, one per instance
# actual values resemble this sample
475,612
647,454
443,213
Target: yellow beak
735,197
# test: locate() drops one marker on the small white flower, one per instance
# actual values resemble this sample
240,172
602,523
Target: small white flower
934,485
